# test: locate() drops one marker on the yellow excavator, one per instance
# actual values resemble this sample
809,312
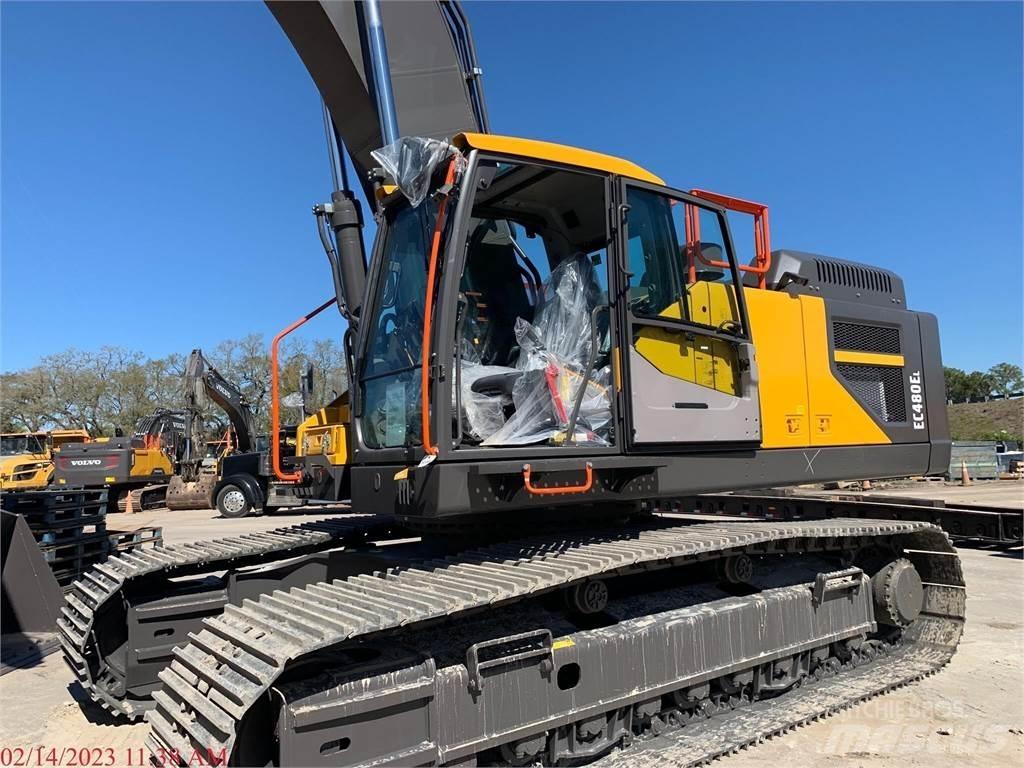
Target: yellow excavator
138,466
545,341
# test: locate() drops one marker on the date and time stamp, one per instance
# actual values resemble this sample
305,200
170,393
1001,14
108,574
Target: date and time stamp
40,756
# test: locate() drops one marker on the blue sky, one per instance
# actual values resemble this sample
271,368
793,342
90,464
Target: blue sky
143,143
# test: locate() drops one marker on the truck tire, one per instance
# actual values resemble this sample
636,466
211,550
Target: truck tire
233,500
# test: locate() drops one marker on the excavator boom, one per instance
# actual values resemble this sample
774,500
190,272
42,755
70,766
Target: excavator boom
435,77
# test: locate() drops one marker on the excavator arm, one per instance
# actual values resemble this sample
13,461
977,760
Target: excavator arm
203,380
426,79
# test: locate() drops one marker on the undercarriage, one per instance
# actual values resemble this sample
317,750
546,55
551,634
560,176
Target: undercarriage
552,649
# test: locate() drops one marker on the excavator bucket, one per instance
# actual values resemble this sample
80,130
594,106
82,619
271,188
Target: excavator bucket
31,596
191,494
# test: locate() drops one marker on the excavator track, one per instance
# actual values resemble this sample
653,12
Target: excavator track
147,497
214,689
105,585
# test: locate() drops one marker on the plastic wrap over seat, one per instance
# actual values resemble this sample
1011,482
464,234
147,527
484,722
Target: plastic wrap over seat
554,352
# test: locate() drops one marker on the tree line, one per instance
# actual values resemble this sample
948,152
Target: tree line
1003,380
112,388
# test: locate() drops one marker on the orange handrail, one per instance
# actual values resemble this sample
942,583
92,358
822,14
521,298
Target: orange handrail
762,235
556,490
428,312
275,404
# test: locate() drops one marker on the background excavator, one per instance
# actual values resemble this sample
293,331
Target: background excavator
192,485
164,461
545,340
140,464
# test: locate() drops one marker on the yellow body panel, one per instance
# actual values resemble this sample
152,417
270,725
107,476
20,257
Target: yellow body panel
34,471
25,472
802,402
699,359
868,358
776,325
836,417
555,153
60,436
148,461
325,433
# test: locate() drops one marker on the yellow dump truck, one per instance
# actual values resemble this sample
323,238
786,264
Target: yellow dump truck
26,458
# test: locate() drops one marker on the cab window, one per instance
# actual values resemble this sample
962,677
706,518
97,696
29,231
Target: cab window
680,263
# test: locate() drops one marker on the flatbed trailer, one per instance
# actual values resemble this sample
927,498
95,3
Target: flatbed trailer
965,523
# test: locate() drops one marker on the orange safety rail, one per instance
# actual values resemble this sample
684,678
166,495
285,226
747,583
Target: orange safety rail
762,235
275,402
557,490
428,312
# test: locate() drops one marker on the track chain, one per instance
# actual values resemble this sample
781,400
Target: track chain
729,732
229,665
107,581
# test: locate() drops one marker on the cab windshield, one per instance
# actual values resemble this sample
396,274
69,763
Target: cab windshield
390,377
14,445
214,450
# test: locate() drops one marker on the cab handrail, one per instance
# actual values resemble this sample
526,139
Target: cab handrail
762,235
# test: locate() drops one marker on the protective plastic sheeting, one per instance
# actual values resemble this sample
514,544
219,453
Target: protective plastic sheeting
411,162
554,352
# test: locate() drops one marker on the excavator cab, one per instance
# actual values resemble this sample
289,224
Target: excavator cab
535,272
533,309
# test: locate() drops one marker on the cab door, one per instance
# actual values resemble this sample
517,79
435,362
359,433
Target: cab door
687,362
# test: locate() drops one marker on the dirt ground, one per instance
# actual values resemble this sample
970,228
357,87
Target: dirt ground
972,711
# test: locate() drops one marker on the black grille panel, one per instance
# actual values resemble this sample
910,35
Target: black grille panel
880,387
853,276
859,337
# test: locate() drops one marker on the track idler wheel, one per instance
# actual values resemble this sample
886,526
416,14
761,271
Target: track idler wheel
898,593
524,751
738,569
587,598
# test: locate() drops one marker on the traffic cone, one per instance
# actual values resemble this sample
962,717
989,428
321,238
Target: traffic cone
965,477
128,504
865,485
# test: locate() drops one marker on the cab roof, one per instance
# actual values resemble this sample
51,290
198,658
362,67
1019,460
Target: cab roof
555,153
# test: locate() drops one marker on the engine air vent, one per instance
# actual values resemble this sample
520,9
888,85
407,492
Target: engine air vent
862,337
853,276
880,387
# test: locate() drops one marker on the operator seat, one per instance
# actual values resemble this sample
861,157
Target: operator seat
561,326
493,283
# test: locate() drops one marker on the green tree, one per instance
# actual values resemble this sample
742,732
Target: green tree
956,384
979,385
1006,378
114,387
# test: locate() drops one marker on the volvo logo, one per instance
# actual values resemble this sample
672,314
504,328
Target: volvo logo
86,462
